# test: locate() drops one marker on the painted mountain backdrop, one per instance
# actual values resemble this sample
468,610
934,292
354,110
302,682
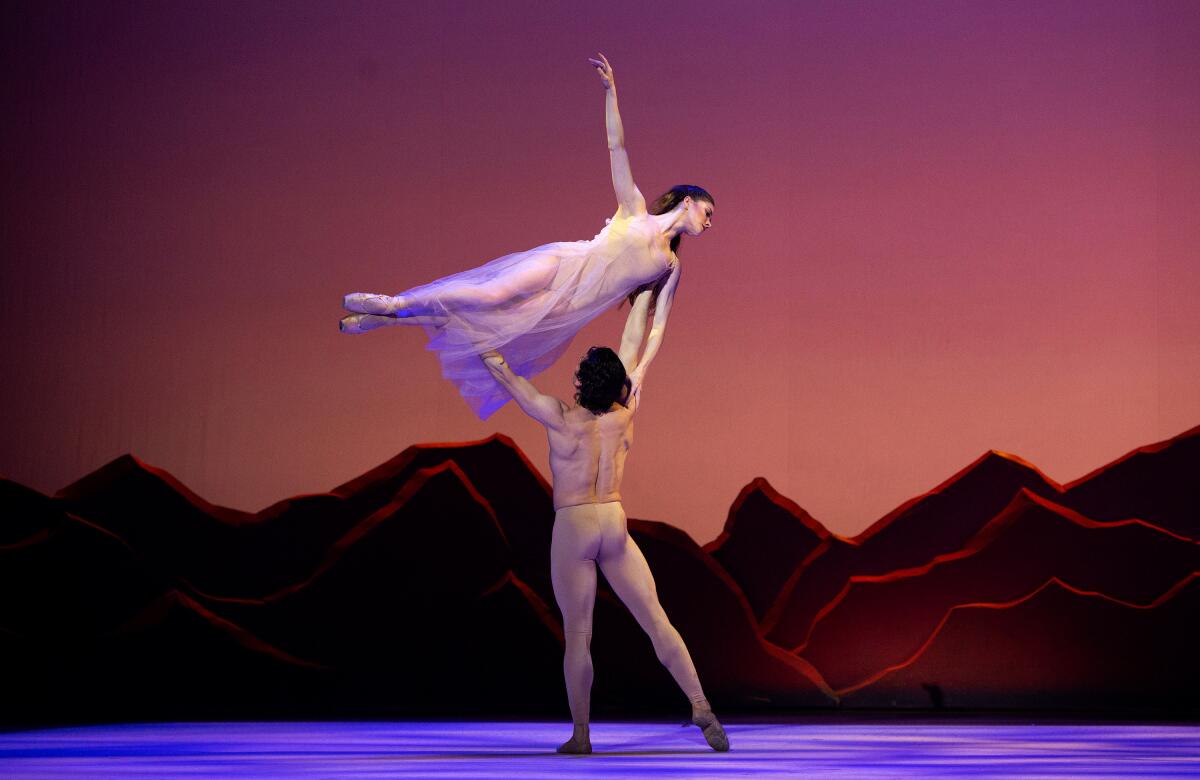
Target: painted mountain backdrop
423,587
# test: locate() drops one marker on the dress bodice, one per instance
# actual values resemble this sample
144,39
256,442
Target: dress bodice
636,243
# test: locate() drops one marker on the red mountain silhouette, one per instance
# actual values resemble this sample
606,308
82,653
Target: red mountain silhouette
499,470
733,661
70,592
712,614
126,484
1055,647
184,535
1159,483
198,662
26,514
936,522
164,610
423,587
68,579
765,535
1029,542
181,534
437,540
941,520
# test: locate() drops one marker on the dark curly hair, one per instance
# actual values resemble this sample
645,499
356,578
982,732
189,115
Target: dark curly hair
667,201
599,380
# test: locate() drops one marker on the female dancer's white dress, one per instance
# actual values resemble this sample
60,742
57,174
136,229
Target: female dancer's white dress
533,331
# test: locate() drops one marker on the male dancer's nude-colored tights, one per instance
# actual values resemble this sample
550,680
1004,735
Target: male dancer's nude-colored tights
585,535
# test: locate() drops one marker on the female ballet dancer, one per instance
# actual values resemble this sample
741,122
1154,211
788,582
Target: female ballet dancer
532,303
588,444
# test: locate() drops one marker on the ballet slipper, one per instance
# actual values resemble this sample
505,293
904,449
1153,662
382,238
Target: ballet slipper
370,303
714,733
576,745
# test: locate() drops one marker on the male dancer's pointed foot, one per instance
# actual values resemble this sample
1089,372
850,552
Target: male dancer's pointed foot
370,303
714,733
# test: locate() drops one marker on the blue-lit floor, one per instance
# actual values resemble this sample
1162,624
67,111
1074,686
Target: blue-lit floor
623,749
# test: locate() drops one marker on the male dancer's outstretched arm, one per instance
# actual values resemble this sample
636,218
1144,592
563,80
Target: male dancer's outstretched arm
546,409
662,298
631,341
635,330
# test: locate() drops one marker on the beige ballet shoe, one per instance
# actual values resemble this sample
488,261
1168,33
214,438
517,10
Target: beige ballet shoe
361,323
370,303
714,733
574,745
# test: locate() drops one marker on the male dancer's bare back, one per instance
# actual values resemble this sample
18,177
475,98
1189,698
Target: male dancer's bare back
587,455
587,458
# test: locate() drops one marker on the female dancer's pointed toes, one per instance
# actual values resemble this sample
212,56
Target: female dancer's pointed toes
359,323
370,303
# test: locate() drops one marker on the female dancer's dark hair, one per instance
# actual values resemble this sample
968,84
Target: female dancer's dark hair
671,198
667,201
599,380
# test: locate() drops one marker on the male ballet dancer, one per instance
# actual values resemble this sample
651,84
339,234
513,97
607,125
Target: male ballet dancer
588,444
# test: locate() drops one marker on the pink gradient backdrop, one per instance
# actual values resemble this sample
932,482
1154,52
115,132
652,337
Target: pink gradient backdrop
940,228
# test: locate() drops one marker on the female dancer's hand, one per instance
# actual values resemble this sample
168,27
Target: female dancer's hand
604,69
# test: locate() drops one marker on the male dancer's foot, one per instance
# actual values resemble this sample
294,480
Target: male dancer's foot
580,741
714,733
370,303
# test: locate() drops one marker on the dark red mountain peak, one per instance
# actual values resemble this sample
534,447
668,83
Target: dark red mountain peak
993,466
497,441
1025,500
759,487
1139,453
127,473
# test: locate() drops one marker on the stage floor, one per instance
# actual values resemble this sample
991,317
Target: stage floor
623,749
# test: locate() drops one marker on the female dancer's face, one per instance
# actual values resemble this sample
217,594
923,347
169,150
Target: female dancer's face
699,215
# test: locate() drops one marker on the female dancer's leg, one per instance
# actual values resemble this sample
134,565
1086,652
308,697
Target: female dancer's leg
361,323
521,280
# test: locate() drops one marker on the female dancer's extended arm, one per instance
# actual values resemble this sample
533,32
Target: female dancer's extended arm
629,198
662,310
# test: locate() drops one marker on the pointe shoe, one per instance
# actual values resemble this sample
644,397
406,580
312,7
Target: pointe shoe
369,303
359,323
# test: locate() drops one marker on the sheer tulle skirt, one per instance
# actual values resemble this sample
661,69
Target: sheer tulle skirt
532,331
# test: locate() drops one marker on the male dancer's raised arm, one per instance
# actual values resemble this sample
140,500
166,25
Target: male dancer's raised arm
662,310
546,409
635,330
631,344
